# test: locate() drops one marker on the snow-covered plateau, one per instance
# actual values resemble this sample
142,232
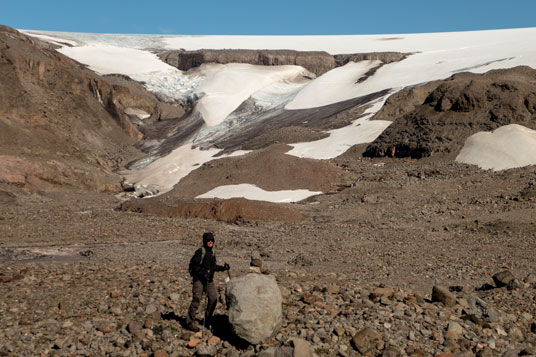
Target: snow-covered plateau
225,87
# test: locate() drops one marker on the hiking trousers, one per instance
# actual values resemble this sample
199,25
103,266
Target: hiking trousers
197,297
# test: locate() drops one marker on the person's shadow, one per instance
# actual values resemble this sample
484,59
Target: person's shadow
173,316
220,328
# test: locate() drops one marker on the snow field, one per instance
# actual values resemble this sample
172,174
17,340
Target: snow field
227,86
360,131
252,192
505,148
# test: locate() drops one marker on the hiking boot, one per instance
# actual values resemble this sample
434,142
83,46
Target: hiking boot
192,326
209,322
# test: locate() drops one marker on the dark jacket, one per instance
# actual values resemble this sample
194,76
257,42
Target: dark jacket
204,270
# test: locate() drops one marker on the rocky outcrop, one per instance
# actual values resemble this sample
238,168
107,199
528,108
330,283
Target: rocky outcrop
48,175
438,117
77,121
255,307
317,62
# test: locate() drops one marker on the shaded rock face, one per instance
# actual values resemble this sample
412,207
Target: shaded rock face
317,62
255,306
54,111
438,117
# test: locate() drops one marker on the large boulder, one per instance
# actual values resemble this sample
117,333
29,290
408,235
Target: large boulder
255,307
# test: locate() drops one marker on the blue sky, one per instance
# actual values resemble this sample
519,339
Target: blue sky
272,17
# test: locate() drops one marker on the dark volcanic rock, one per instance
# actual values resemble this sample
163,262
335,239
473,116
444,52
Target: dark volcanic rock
438,117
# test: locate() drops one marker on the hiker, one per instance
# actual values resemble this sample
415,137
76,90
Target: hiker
202,268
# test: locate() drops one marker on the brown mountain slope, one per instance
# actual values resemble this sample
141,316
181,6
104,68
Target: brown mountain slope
62,124
438,117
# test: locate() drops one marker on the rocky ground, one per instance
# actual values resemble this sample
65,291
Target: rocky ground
80,277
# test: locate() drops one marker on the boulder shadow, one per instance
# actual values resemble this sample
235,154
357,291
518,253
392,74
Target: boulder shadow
222,328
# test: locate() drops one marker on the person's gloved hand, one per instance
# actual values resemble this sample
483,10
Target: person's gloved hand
206,275
226,266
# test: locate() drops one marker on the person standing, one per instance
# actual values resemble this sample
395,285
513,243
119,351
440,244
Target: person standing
202,268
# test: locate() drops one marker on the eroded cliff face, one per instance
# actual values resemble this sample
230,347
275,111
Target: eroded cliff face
437,118
317,62
63,125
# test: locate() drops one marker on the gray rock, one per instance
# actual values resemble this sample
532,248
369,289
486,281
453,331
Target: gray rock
150,309
391,352
515,333
206,351
255,307
514,284
503,278
269,352
443,295
366,340
530,279
479,311
302,348
455,328
135,328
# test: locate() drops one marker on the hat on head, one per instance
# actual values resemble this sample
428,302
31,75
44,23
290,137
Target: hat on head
207,237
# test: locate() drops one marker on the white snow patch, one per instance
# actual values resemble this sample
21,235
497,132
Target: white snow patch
111,59
227,86
360,131
252,192
167,171
435,56
505,148
141,114
140,65
337,85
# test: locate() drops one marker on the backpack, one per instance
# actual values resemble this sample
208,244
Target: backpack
191,266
